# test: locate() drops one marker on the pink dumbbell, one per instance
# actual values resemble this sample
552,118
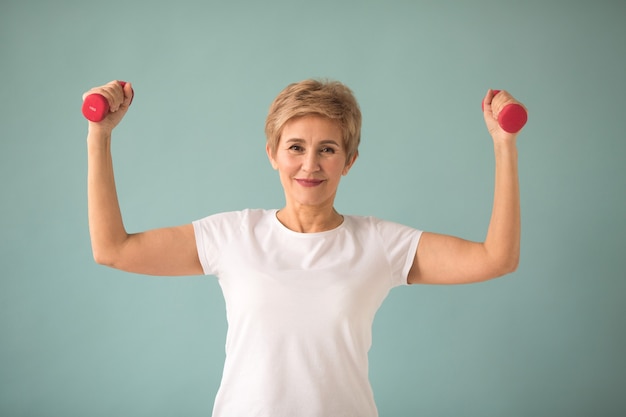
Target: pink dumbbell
96,107
512,117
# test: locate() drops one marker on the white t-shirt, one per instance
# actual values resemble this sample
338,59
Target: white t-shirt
300,308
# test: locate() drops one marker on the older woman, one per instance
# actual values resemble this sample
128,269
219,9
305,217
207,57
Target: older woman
302,284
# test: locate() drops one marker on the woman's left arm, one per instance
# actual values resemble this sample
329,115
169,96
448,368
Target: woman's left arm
442,259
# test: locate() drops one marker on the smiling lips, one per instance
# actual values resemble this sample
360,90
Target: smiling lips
308,182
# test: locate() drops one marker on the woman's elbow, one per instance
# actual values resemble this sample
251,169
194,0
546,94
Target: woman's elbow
104,257
109,252
100,259
507,265
509,269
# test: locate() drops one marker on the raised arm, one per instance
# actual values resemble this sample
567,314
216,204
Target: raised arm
442,259
166,251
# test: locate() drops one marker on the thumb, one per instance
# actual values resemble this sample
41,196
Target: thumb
129,94
490,118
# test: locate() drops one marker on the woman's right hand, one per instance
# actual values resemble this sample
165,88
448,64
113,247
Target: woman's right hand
119,98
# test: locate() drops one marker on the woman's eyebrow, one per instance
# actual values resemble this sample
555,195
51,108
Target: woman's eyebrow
323,142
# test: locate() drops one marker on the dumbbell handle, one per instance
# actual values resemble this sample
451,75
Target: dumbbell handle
512,117
96,107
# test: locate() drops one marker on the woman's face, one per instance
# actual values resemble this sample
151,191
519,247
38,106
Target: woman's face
310,159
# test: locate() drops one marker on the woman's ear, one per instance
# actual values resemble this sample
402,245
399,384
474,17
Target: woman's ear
349,163
270,156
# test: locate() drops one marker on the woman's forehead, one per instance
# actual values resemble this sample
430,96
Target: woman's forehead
313,126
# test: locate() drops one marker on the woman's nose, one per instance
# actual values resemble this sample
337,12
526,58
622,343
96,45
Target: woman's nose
311,162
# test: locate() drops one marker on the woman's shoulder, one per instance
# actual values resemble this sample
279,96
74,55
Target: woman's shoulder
364,220
378,224
238,217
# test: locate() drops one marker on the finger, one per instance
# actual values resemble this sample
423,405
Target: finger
488,114
112,92
127,89
487,100
501,100
488,110
116,95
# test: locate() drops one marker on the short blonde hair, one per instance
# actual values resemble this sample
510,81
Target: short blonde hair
324,98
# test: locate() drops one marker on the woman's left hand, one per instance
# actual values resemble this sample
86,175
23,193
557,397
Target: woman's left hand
493,103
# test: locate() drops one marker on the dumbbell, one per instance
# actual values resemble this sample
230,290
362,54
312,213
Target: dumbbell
512,117
96,107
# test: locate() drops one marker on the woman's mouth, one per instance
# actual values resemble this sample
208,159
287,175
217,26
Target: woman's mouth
308,182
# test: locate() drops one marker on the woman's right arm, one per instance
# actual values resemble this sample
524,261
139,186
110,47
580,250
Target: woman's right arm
166,251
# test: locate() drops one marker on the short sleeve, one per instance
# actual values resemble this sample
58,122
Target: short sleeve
400,244
212,234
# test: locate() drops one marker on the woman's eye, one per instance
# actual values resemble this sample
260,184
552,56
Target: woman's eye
296,148
328,150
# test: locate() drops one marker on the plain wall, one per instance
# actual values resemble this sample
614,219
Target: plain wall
78,339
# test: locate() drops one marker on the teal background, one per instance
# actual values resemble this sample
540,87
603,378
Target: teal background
78,339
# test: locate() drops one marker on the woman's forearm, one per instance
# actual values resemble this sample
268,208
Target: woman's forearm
106,227
504,233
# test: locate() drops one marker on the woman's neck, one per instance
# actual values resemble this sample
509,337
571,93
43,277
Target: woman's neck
309,219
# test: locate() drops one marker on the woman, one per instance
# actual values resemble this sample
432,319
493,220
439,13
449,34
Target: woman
302,284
